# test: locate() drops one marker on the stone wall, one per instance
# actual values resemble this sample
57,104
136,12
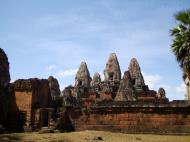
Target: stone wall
31,94
24,104
9,118
9,113
136,118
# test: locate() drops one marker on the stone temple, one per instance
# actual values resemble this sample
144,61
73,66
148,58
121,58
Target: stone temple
121,103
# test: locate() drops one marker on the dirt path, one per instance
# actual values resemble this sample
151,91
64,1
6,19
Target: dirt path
90,136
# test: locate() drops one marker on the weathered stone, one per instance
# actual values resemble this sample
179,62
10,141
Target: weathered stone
86,107
4,83
112,70
146,96
96,80
109,87
83,78
64,123
126,90
23,85
136,75
54,88
39,89
134,116
8,108
30,95
69,98
95,84
4,70
161,93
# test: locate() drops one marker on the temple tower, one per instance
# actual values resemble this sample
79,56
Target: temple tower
112,71
83,78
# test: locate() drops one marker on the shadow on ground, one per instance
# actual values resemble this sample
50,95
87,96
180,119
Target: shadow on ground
25,138
10,138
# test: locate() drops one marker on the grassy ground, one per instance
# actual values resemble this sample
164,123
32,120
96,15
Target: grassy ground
90,136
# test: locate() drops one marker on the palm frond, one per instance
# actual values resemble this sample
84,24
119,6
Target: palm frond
183,17
181,40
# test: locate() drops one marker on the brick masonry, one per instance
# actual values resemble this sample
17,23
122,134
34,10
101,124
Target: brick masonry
24,103
136,119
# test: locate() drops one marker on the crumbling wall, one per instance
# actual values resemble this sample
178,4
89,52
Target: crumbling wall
171,117
32,94
8,110
4,70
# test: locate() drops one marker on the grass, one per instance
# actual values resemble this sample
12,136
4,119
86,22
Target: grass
91,136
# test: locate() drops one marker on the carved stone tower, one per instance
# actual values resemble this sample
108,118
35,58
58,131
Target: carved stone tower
83,78
136,75
126,89
112,71
96,79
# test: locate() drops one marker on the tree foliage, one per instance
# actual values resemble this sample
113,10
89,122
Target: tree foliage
181,40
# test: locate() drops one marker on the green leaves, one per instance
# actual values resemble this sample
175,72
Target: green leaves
183,17
181,40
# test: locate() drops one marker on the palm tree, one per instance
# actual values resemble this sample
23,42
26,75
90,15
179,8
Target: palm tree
181,45
181,40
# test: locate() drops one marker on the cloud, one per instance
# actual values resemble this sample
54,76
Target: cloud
151,79
51,67
67,73
181,88
12,81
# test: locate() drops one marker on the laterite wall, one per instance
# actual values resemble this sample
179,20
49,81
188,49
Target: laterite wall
134,119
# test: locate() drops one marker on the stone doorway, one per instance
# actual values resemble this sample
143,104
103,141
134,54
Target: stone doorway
44,118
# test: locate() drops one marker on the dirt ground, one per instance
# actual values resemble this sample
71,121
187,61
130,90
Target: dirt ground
91,136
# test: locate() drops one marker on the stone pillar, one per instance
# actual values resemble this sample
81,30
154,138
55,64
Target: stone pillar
37,119
51,122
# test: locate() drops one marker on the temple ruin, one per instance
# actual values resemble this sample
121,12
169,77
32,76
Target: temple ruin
115,103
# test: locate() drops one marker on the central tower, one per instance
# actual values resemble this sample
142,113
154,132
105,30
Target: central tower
112,71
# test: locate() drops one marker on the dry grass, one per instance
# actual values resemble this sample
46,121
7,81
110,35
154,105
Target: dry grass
90,136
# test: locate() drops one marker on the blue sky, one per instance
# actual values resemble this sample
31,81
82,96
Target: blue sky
52,37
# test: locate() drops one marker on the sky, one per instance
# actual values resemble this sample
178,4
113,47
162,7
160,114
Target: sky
52,37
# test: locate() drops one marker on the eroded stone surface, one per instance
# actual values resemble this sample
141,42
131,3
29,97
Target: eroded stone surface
8,109
31,95
83,78
54,88
161,93
113,104
96,80
69,97
4,69
126,89
136,75
112,70
39,89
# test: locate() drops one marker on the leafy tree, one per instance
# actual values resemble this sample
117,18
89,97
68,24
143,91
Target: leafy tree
181,40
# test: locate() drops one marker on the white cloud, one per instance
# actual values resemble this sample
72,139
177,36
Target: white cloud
151,79
51,67
12,81
181,88
66,73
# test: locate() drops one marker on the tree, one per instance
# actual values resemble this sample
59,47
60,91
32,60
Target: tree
181,40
